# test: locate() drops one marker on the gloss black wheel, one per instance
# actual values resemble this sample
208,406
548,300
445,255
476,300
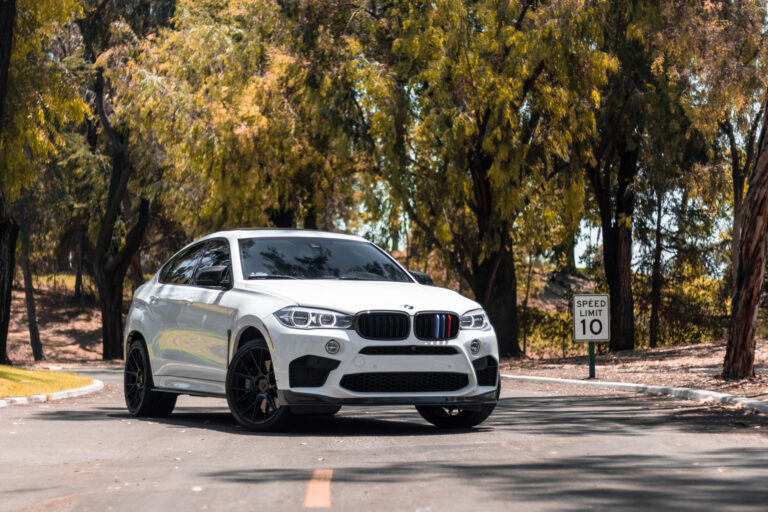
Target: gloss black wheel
140,398
252,389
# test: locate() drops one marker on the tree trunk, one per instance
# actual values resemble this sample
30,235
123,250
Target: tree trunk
656,277
8,228
8,234
738,212
110,264
109,274
740,351
616,223
79,265
525,302
495,287
566,253
618,272
7,20
29,293
111,306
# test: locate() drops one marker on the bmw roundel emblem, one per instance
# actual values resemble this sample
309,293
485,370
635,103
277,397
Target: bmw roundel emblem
407,306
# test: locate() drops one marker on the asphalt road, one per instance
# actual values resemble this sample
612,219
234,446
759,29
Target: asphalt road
546,448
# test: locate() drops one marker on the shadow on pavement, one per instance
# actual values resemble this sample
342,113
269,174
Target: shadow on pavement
614,482
576,416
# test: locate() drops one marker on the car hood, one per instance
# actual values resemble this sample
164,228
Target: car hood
355,296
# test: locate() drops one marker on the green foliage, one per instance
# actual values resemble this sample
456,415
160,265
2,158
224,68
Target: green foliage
694,308
550,334
42,94
472,112
241,119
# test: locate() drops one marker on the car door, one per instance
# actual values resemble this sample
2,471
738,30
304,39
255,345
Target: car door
172,301
210,319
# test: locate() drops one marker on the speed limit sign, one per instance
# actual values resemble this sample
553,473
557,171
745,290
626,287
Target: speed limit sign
591,317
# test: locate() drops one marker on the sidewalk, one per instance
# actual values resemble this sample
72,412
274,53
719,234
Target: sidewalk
709,397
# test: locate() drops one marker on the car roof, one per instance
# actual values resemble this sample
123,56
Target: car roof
281,232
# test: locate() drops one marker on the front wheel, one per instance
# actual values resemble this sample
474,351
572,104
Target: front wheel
455,417
252,389
140,398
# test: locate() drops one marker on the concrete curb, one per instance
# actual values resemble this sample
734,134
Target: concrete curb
712,397
94,386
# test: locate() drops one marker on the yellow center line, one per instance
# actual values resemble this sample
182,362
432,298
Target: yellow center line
319,489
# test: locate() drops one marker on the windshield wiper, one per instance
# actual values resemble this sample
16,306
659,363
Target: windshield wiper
272,276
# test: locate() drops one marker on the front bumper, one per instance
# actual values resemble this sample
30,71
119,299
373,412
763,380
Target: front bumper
307,399
289,345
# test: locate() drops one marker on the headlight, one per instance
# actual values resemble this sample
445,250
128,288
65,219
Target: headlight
475,319
310,318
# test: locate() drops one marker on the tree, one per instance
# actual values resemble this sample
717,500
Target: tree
37,96
22,207
8,228
265,120
725,42
113,251
470,109
740,351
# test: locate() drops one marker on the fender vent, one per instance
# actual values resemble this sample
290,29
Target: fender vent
486,370
310,371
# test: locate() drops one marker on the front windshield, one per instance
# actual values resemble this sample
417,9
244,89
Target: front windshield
316,258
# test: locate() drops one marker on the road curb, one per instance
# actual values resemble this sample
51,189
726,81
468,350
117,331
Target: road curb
713,397
94,386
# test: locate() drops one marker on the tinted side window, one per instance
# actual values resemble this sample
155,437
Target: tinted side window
217,254
183,267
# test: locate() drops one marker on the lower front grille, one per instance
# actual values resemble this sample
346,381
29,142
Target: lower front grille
486,370
310,371
409,350
404,382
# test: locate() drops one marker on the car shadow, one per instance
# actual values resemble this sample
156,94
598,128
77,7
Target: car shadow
355,422
569,416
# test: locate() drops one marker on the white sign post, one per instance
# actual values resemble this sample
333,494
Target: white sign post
591,322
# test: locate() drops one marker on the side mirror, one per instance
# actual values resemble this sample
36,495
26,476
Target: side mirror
212,276
421,277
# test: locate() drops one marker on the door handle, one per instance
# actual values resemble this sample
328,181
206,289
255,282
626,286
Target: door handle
153,299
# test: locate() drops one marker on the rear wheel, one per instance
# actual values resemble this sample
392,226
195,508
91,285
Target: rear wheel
455,417
140,398
252,389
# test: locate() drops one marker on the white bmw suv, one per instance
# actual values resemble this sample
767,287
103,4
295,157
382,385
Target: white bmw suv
284,322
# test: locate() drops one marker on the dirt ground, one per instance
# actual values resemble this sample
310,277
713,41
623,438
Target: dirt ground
71,336
70,332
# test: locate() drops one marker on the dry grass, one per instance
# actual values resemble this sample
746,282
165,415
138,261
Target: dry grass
20,382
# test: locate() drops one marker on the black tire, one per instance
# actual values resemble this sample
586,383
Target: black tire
140,397
252,389
455,417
